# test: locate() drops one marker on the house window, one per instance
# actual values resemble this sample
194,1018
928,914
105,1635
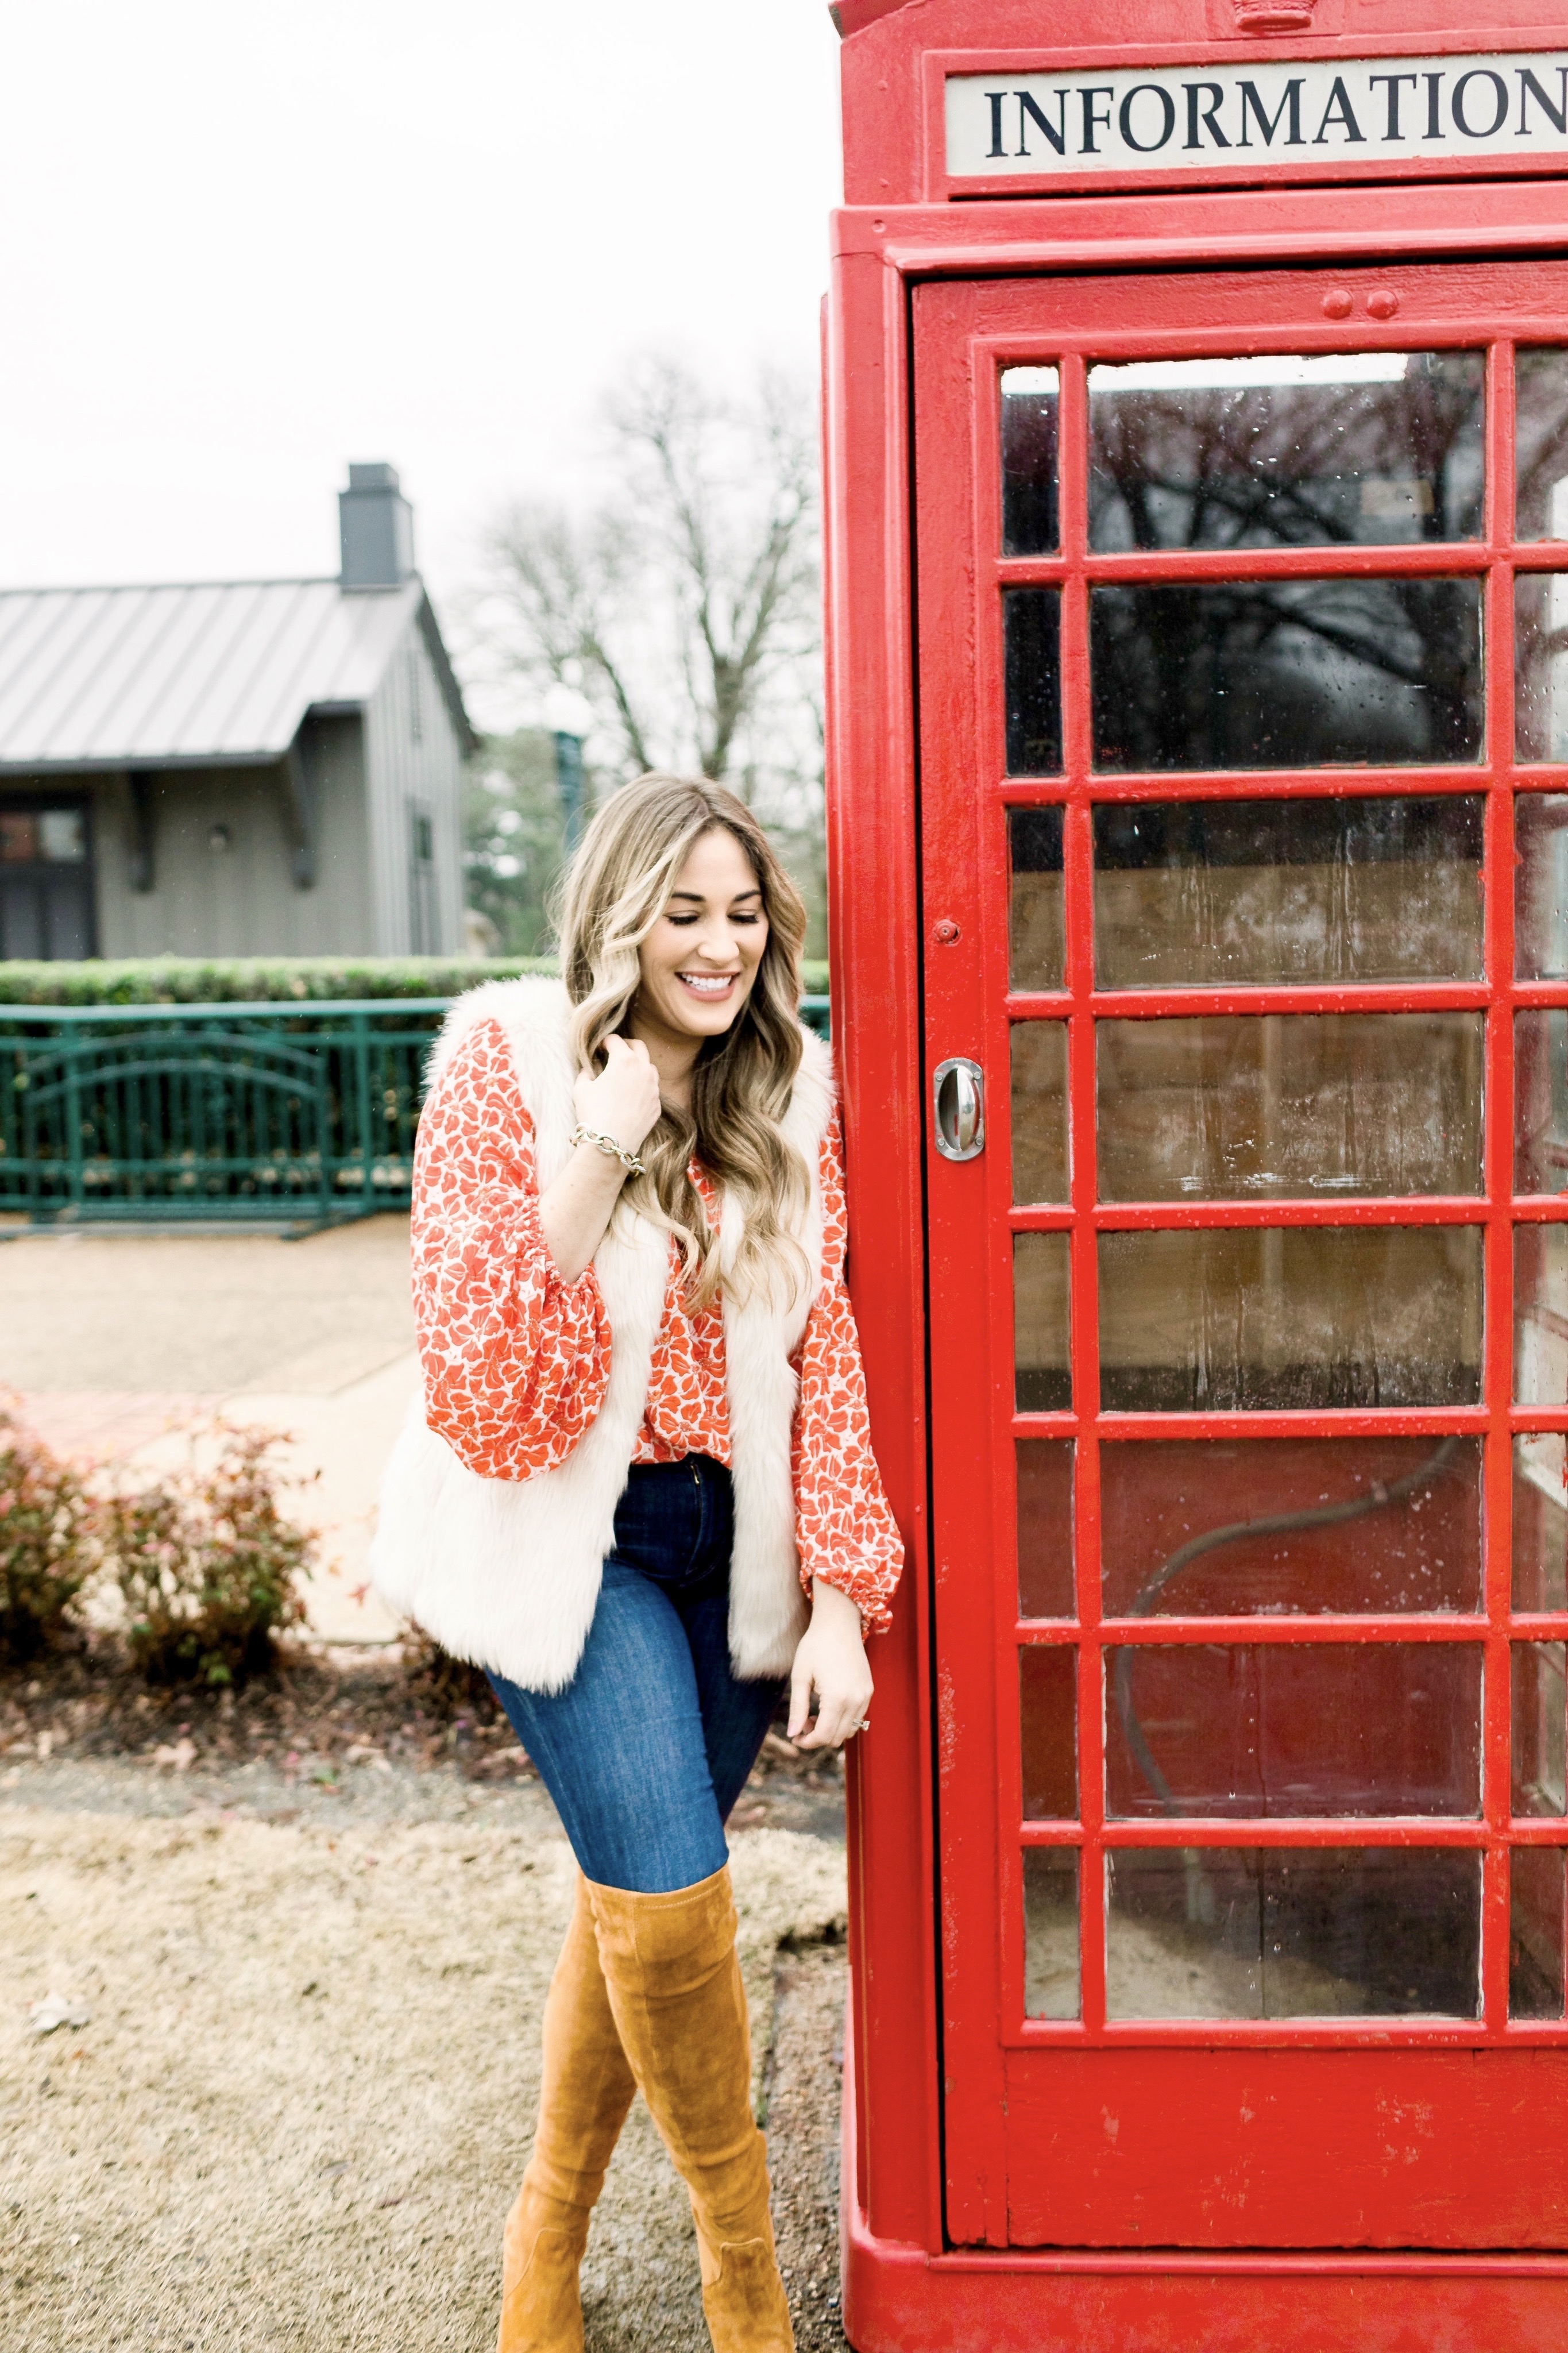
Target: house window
46,898
424,924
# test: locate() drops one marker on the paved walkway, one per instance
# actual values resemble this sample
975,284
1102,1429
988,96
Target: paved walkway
115,1343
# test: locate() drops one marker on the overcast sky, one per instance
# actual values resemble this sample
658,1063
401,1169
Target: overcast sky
242,245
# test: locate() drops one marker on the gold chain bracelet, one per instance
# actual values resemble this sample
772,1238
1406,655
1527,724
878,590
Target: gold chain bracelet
629,1160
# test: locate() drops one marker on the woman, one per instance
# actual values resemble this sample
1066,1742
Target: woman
643,1442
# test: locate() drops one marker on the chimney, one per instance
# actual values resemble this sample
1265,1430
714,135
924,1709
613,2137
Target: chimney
375,526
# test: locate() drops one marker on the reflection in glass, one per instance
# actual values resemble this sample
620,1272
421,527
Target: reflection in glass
1540,1102
1290,1104
1229,1320
1276,1527
1030,460
1045,1528
1287,674
1375,449
1050,1932
1188,894
19,837
1540,1521
1541,887
1538,1900
1540,1314
1540,1729
1044,1380
1540,444
1276,1729
1035,922
1048,1699
1541,665
1330,1932
1033,630
1039,1111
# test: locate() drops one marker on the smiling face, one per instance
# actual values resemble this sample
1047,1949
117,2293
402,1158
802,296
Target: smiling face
700,959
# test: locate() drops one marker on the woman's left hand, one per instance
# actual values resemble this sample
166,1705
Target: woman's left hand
831,1663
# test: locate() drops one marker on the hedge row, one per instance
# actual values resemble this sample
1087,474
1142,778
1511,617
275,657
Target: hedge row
245,980
255,980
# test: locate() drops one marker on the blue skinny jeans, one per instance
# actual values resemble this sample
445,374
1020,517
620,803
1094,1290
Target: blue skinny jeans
650,1744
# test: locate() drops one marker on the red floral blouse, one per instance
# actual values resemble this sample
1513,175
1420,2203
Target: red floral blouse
516,1361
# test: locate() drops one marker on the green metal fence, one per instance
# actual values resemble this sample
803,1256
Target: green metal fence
236,1112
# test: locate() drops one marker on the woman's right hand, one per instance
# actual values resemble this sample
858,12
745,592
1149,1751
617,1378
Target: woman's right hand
621,1100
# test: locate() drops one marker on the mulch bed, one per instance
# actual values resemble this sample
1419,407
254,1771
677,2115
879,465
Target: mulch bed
317,1711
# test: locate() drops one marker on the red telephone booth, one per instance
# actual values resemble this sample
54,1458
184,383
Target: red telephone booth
1198,462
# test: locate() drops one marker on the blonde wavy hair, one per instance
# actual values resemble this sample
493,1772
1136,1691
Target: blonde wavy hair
613,893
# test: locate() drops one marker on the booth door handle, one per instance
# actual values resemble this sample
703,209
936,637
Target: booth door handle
959,1095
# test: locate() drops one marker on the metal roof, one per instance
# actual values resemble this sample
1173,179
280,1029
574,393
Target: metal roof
117,678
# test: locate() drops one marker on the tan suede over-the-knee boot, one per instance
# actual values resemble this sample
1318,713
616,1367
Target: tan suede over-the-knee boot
675,1987
585,2090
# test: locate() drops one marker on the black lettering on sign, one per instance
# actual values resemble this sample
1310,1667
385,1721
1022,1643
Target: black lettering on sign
995,100
1124,119
1215,93
1339,109
1528,87
1392,129
1253,109
1092,120
1057,135
1499,102
1433,82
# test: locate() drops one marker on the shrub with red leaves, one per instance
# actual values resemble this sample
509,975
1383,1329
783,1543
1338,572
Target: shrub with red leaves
207,1564
49,1527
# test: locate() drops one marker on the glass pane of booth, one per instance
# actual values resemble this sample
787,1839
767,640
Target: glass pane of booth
1540,1725
1540,1521
1034,680
1538,1900
1035,914
1210,894
1286,674
1289,1106
1029,523
1540,886
1540,1314
1540,1102
1044,1378
1045,1528
1237,1319
1050,1932
1039,1111
1379,448
1285,1526
1274,1730
1326,1931
1541,665
1048,1699
1540,444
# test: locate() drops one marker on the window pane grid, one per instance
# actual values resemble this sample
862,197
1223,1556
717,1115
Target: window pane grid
1509,1938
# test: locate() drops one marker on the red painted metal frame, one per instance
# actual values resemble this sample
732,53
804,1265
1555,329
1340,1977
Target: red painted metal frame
902,2289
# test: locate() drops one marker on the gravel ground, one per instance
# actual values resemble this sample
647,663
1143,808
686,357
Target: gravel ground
299,2101
310,1928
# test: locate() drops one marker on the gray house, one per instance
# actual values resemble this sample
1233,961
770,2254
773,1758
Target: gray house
240,768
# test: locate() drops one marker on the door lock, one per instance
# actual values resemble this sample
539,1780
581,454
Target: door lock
958,1092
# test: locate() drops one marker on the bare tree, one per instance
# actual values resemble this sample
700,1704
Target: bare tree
684,605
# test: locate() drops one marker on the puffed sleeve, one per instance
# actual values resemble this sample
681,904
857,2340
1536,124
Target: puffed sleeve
515,1360
845,1526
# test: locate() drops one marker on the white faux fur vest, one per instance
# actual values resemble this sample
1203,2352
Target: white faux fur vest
506,1572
